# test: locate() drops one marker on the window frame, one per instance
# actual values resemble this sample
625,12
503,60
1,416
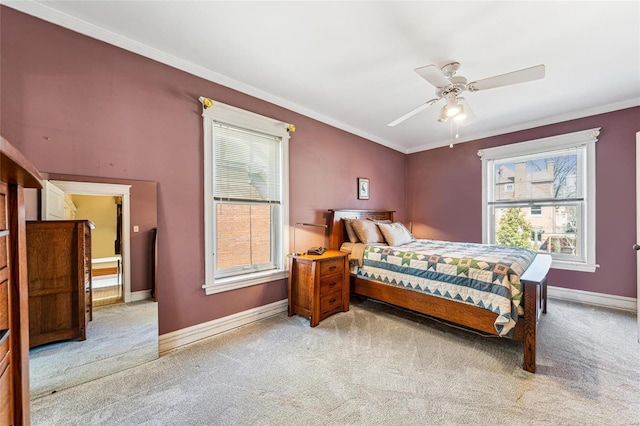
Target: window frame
586,138
234,116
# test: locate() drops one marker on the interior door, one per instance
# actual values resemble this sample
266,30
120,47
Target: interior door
52,202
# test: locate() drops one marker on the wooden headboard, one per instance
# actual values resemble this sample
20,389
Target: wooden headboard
337,233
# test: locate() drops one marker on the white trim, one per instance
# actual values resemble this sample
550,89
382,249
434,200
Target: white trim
597,299
137,296
638,224
170,341
554,119
534,146
91,188
574,266
65,20
228,114
233,283
586,138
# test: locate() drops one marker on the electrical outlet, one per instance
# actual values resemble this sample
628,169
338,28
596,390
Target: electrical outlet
136,228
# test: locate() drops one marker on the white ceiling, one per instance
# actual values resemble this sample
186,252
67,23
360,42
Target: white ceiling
350,64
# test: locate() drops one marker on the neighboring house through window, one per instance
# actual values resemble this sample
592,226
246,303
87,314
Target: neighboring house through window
246,200
541,195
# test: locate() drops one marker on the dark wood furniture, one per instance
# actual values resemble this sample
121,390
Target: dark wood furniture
59,268
534,299
16,173
318,285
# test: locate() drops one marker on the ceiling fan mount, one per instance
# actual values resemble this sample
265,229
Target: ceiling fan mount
449,86
449,70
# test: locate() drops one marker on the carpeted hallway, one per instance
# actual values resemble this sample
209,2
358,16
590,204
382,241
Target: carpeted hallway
374,365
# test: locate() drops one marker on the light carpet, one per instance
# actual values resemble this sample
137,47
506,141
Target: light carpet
120,336
375,365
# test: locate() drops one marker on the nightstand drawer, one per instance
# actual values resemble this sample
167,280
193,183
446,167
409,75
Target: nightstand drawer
331,301
331,283
332,266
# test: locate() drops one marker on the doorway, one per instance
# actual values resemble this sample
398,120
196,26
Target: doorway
105,212
122,192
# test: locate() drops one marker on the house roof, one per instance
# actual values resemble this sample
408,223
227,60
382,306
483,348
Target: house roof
351,64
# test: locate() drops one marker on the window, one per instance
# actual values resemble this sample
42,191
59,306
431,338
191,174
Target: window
246,208
551,206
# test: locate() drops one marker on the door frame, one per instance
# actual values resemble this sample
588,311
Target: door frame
638,230
109,189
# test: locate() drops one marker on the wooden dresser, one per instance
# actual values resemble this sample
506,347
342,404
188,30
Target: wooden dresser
59,266
318,285
16,173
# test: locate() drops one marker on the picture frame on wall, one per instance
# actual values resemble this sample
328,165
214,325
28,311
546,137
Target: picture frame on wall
363,189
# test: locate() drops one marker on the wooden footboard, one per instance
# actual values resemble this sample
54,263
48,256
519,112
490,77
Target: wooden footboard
462,314
534,298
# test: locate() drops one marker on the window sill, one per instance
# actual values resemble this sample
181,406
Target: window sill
234,283
574,266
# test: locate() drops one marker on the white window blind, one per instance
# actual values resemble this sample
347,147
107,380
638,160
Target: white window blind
246,165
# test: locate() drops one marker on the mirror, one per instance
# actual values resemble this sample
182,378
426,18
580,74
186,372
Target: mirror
123,328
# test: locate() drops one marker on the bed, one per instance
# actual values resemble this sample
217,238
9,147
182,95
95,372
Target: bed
533,284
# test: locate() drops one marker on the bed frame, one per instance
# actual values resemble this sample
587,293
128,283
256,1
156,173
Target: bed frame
534,280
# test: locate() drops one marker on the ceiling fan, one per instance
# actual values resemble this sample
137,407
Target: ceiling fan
450,86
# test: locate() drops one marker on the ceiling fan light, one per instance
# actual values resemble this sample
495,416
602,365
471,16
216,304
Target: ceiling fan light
443,115
453,108
461,115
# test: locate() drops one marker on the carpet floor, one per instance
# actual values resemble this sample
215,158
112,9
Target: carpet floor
375,365
120,336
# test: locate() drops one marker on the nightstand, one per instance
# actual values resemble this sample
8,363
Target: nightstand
318,285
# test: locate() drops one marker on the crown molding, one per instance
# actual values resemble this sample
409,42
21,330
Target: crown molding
588,112
46,13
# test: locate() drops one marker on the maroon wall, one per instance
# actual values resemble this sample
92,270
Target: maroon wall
114,114
444,193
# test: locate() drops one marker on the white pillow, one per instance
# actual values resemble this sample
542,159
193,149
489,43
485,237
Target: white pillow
348,226
367,231
396,234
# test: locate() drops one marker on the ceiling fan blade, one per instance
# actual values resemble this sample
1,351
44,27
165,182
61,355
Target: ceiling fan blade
515,77
470,116
433,75
413,112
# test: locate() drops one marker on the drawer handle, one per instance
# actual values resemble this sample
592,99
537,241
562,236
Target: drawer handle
331,268
332,300
332,284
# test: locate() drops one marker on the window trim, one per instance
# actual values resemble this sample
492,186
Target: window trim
586,138
234,116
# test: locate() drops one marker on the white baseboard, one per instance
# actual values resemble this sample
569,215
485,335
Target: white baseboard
140,295
170,341
598,299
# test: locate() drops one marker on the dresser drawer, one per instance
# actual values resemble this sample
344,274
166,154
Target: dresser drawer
330,302
331,283
332,266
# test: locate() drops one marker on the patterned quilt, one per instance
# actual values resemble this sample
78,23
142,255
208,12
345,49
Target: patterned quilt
487,276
